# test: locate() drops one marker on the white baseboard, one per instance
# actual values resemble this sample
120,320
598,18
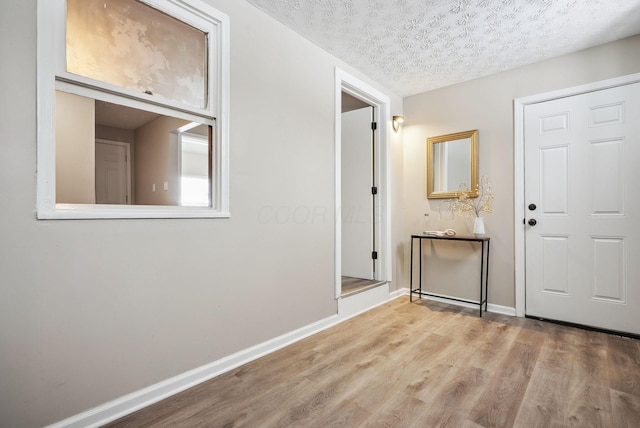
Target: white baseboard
498,309
351,306
112,410
399,293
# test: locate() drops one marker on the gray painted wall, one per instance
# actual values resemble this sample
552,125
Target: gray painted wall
92,310
486,104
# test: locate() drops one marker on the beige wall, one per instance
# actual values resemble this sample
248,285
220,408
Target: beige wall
75,149
487,104
81,324
156,154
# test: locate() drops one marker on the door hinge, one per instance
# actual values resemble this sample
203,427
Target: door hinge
374,126
374,255
374,190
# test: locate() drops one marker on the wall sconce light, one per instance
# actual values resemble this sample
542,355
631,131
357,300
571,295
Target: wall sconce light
396,122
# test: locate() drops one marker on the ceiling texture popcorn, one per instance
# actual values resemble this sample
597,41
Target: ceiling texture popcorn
413,46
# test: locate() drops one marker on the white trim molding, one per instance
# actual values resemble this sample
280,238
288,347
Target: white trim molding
519,177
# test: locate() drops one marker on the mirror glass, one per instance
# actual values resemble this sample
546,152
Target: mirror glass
113,154
452,164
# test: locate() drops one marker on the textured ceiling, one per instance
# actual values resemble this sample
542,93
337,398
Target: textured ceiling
412,46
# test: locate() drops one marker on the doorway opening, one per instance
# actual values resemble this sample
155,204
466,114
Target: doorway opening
362,219
358,195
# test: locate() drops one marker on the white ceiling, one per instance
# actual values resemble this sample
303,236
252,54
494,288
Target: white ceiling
413,46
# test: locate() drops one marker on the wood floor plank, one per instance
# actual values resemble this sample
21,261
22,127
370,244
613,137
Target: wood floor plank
625,409
402,410
243,410
502,397
332,413
393,400
588,406
444,367
544,401
421,364
455,398
624,365
188,402
250,410
353,334
488,351
274,365
588,383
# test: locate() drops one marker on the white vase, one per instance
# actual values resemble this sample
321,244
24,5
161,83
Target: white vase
478,226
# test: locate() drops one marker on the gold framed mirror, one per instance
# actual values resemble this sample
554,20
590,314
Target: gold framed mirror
452,162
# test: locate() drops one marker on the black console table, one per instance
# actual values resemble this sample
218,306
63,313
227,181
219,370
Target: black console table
484,268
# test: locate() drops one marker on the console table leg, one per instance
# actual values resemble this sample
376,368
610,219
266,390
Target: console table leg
486,279
481,275
411,274
420,270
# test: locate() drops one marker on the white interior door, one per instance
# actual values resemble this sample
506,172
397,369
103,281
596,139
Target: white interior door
112,173
582,175
357,198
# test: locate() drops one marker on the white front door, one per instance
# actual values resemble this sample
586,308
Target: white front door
357,199
112,173
582,205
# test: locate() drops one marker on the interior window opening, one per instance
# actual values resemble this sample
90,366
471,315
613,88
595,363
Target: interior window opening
112,154
133,98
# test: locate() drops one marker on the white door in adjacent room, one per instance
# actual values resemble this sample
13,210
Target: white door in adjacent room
112,173
357,198
582,205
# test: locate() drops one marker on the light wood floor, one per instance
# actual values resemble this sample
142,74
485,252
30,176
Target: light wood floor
351,285
422,364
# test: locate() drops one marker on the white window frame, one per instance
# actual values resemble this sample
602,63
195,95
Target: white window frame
51,76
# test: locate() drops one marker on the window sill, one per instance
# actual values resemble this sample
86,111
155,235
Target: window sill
85,211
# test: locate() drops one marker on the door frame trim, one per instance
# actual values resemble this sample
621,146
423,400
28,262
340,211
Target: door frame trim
519,209
345,82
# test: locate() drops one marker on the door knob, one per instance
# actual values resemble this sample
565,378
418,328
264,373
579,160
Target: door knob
532,207
532,222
